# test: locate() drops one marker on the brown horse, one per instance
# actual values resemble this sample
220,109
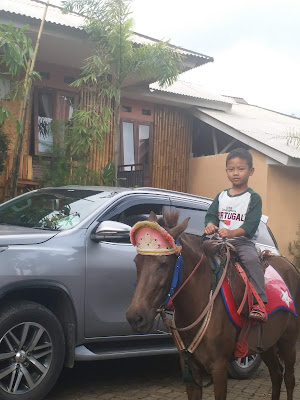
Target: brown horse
279,334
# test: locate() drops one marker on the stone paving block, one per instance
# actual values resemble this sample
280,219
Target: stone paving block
152,379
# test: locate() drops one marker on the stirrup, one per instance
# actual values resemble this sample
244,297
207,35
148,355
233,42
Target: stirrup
258,313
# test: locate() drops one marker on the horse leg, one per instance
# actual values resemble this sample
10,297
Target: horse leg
271,359
287,352
193,390
219,377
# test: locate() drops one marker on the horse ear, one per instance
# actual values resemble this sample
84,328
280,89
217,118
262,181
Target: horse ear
179,229
152,217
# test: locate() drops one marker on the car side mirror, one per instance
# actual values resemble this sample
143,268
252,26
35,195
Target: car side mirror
111,231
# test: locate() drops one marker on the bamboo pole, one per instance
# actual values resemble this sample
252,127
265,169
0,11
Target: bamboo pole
171,132
24,105
159,147
173,149
162,149
178,150
155,146
190,127
175,152
155,133
184,152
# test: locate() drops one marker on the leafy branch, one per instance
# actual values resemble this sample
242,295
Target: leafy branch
108,24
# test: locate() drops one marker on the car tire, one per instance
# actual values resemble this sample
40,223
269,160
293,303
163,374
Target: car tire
244,368
32,351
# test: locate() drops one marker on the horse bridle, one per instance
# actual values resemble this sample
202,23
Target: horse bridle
212,299
152,239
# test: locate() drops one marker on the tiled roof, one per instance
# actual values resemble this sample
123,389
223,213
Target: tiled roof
34,9
191,90
265,126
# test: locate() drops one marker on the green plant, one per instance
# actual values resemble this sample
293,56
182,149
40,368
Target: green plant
60,168
4,142
56,172
115,57
15,49
294,249
15,53
108,174
87,129
16,61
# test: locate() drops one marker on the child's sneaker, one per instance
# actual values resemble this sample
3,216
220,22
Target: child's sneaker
258,313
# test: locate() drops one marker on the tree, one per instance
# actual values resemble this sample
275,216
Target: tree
109,26
15,51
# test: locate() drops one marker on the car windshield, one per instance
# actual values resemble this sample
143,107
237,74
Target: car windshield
55,209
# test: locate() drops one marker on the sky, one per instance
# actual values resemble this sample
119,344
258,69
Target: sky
255,45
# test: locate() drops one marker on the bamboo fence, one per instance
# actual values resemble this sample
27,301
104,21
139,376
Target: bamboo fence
99,157
171,149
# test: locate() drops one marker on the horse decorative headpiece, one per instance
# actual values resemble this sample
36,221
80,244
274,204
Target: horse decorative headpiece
152,239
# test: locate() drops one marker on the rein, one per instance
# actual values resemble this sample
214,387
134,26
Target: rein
186,281
212,299
152,239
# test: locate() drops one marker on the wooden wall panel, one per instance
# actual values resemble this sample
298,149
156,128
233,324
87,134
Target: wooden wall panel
171,150
98,157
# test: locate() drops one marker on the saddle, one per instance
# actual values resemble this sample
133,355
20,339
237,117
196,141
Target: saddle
278,294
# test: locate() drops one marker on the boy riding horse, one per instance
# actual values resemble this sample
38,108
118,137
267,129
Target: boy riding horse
235,213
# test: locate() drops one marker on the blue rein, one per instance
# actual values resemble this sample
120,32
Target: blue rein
176,280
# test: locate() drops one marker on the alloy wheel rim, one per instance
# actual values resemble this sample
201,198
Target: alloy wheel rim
245,362
25,357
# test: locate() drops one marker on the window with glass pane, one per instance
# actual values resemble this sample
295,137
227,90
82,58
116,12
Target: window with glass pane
128,144
53,109
45,116
65,109
144,135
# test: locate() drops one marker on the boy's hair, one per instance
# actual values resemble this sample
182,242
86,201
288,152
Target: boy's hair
241,153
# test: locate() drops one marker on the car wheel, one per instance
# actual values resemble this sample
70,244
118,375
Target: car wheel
243,368
32,350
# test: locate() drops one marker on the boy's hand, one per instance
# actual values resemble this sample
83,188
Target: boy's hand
210,229
225,233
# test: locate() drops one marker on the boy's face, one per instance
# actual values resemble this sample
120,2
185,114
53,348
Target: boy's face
238,172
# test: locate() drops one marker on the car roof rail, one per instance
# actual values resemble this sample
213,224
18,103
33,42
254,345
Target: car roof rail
152,189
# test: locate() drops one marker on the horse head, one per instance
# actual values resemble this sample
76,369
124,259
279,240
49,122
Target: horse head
155,263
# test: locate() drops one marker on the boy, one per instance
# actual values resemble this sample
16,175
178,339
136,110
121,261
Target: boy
235,213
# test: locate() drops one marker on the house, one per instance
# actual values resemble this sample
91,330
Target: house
225,123
145,139
180,134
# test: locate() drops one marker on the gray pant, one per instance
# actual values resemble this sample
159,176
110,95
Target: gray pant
251,263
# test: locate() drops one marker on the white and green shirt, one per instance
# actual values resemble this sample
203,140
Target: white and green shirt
242,210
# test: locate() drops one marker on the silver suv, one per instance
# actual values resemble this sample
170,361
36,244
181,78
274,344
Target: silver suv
67,277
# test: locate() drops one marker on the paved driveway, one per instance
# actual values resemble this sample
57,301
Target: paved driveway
154,378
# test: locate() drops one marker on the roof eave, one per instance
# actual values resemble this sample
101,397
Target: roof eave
290,162
191,59
174,99
272,153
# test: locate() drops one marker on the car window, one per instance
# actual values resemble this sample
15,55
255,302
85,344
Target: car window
196,222
138,212
57,209
265,235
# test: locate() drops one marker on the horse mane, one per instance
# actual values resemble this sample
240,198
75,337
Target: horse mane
169,219
210,248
